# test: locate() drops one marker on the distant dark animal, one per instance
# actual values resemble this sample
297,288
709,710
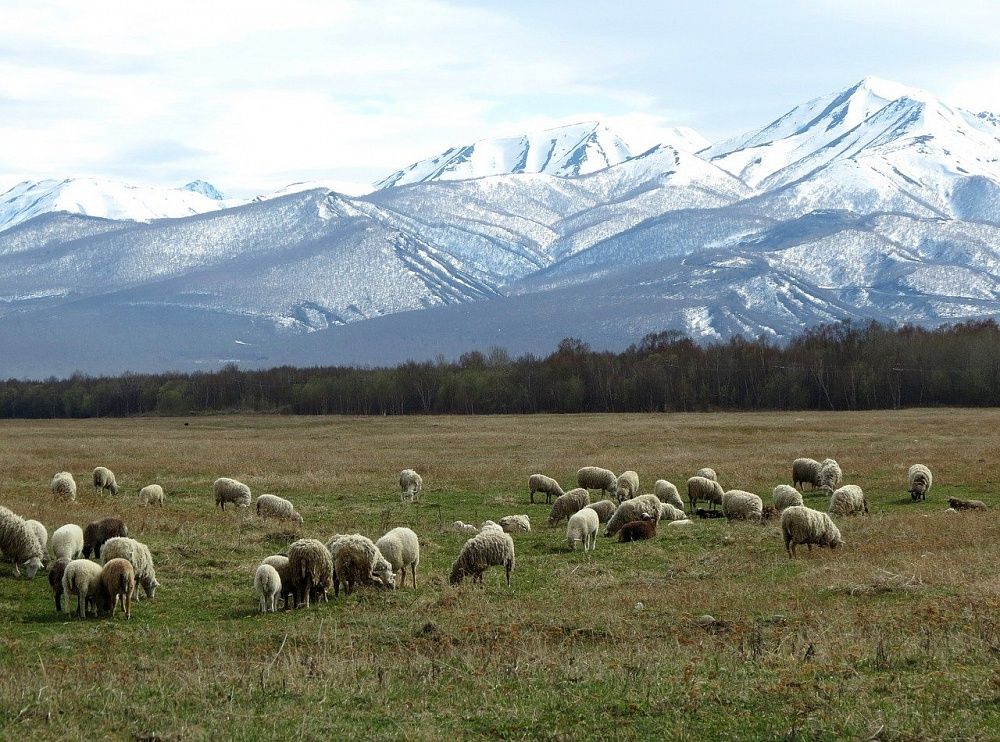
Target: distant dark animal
702,513
637,530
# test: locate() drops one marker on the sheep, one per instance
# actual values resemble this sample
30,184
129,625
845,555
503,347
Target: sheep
957,504
785,496
702,513
467,528
401,548
151,494
489,525
356,559
631,510
410,484
104,479
268,585
230,490
702,488
96,533
542,483
596,478
769,513
138,555
272,506
67,542
516,524
741,505
566,505
707,473
118,578
667,492
920,480
480,553
671,512
802,525
582,526
40,533
82,578
280,564
310,568
19,544
805,470
55,580
638,530
628,485
604,509
829,475
848,500
64,486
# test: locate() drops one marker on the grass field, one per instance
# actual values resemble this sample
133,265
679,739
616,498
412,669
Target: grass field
897,636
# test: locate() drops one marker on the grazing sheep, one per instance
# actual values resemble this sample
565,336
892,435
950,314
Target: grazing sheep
96,533
707,473
151,494
805,470
631,510
467,528
19,544
628,485
410,484
769,513
230,490
957,504
40,533
515,524
67,542
848,500
280,564
702,488
272,506
64,486
667,492
55,581
401,548
785,496
119,584
596,478
604,509
582,526
357,560
802,525
920,480
566,505
139,556
637,530
829,475
310,568
481,552
489,525
671,512
104,479
267,583
82,578
542,483
741,505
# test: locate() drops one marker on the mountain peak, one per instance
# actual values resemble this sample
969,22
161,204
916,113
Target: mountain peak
205,189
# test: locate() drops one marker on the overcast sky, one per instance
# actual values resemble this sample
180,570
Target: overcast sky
253,96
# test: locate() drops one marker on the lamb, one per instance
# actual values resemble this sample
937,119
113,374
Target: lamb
785,496
55,581
230,490
356,559
272,506
805,470
582,526
19,544
410,484
920,480
138,555
769,513
957,504
96,533
637,530
566,505
489,525
40,533
119,584
467,528
829,475
151,494
802,525
64,486
671,512
401,548
741,505
268,585
848,500
542,483
310,568
480,553
82,578
67,542
596,478
280,564
104,479
628,485
604,509
667,492
516,524
707,473
631,510
702,488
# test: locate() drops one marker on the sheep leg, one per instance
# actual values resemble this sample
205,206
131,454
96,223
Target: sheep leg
413,574
531,497
507,568
401,577
128,605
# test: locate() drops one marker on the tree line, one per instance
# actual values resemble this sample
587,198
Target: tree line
833,367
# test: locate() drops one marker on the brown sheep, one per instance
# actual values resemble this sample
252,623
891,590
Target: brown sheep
958,504
118,578
637,530
96,533
55,580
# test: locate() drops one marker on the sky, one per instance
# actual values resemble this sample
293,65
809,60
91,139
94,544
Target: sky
254,96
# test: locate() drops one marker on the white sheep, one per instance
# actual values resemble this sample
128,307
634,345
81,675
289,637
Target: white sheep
542,483
357,560
604,509
628,485
272,506
139,556
785,496
583,526
667,492
67,542
410,484
104,479
632,510
919,478
566,505
516,524
467,528
401,548
268,585
702,488
489,525
151,494
802,525
742,505
82,578
287,591
64,486
479,553
19,544
670,512
848,500
310,567
231,490
596,478
40,533
805,470
708,473
829,475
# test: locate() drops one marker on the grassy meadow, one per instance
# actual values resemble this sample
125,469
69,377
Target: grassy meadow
896,636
